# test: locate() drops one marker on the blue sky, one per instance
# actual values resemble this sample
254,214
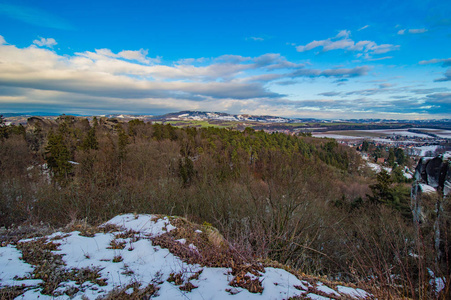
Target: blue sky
322,59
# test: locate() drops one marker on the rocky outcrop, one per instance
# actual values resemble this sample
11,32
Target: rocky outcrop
434,171
428,195
432,178
40,123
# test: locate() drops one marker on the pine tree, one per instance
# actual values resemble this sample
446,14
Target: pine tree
58,157
90,140
382,191
3,128
400,156
391,157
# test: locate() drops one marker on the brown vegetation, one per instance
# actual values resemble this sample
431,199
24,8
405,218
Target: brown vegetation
298,200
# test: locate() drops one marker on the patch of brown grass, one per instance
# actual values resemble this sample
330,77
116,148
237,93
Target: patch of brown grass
137,294
242,279
50,268
114,244
212,250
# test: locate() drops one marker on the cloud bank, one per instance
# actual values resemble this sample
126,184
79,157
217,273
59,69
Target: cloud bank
37,78
446,62
342,41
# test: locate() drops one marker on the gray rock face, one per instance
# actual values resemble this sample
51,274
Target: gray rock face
447,182
435,172
35,122
432,184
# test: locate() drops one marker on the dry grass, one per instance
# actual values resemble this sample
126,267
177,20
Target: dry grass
137,293
211,250
50,267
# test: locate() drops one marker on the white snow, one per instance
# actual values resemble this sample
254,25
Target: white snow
425,150
316,297
355,293
325,289
12,267
143,224
438,132
407,173
447,155
426,189
439,283
395,132
336,136
377,168
374,167
141,261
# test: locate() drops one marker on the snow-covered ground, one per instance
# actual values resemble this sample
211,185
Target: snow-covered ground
427,189
400,132
336,136
407,173
126,261
438,132
377,168
425,150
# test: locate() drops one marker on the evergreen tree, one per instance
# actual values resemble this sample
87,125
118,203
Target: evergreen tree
365,145
3,128
90,140
382,191
58,157
400,156
186,170
391,157
122,142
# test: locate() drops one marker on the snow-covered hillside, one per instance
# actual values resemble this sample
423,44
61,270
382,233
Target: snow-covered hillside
141,256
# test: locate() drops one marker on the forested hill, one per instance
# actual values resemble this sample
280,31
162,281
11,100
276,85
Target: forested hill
69,139
298,200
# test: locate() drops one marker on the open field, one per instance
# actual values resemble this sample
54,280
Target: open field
196,123
384,133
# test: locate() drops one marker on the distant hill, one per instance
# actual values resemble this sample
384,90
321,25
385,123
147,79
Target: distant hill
225,117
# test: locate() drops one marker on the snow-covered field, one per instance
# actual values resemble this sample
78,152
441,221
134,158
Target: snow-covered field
336,136
438,132
425,150
383,134
401,132
126,261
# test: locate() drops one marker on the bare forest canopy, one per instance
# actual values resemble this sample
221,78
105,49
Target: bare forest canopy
305,202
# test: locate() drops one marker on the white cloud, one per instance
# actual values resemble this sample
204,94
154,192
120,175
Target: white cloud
342,41
36,77
343,34
364,27
420,30
446,63
412,31
256,39
45,42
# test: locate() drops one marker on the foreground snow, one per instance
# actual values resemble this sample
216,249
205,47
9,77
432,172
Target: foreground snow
126,260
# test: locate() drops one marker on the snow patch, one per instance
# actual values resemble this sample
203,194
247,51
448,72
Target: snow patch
145,263
11,267
426,189
355,293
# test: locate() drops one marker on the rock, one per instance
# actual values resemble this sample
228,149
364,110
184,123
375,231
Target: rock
435,172
34,123
432,185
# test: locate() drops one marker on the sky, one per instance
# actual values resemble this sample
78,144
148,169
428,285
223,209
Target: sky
307,59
